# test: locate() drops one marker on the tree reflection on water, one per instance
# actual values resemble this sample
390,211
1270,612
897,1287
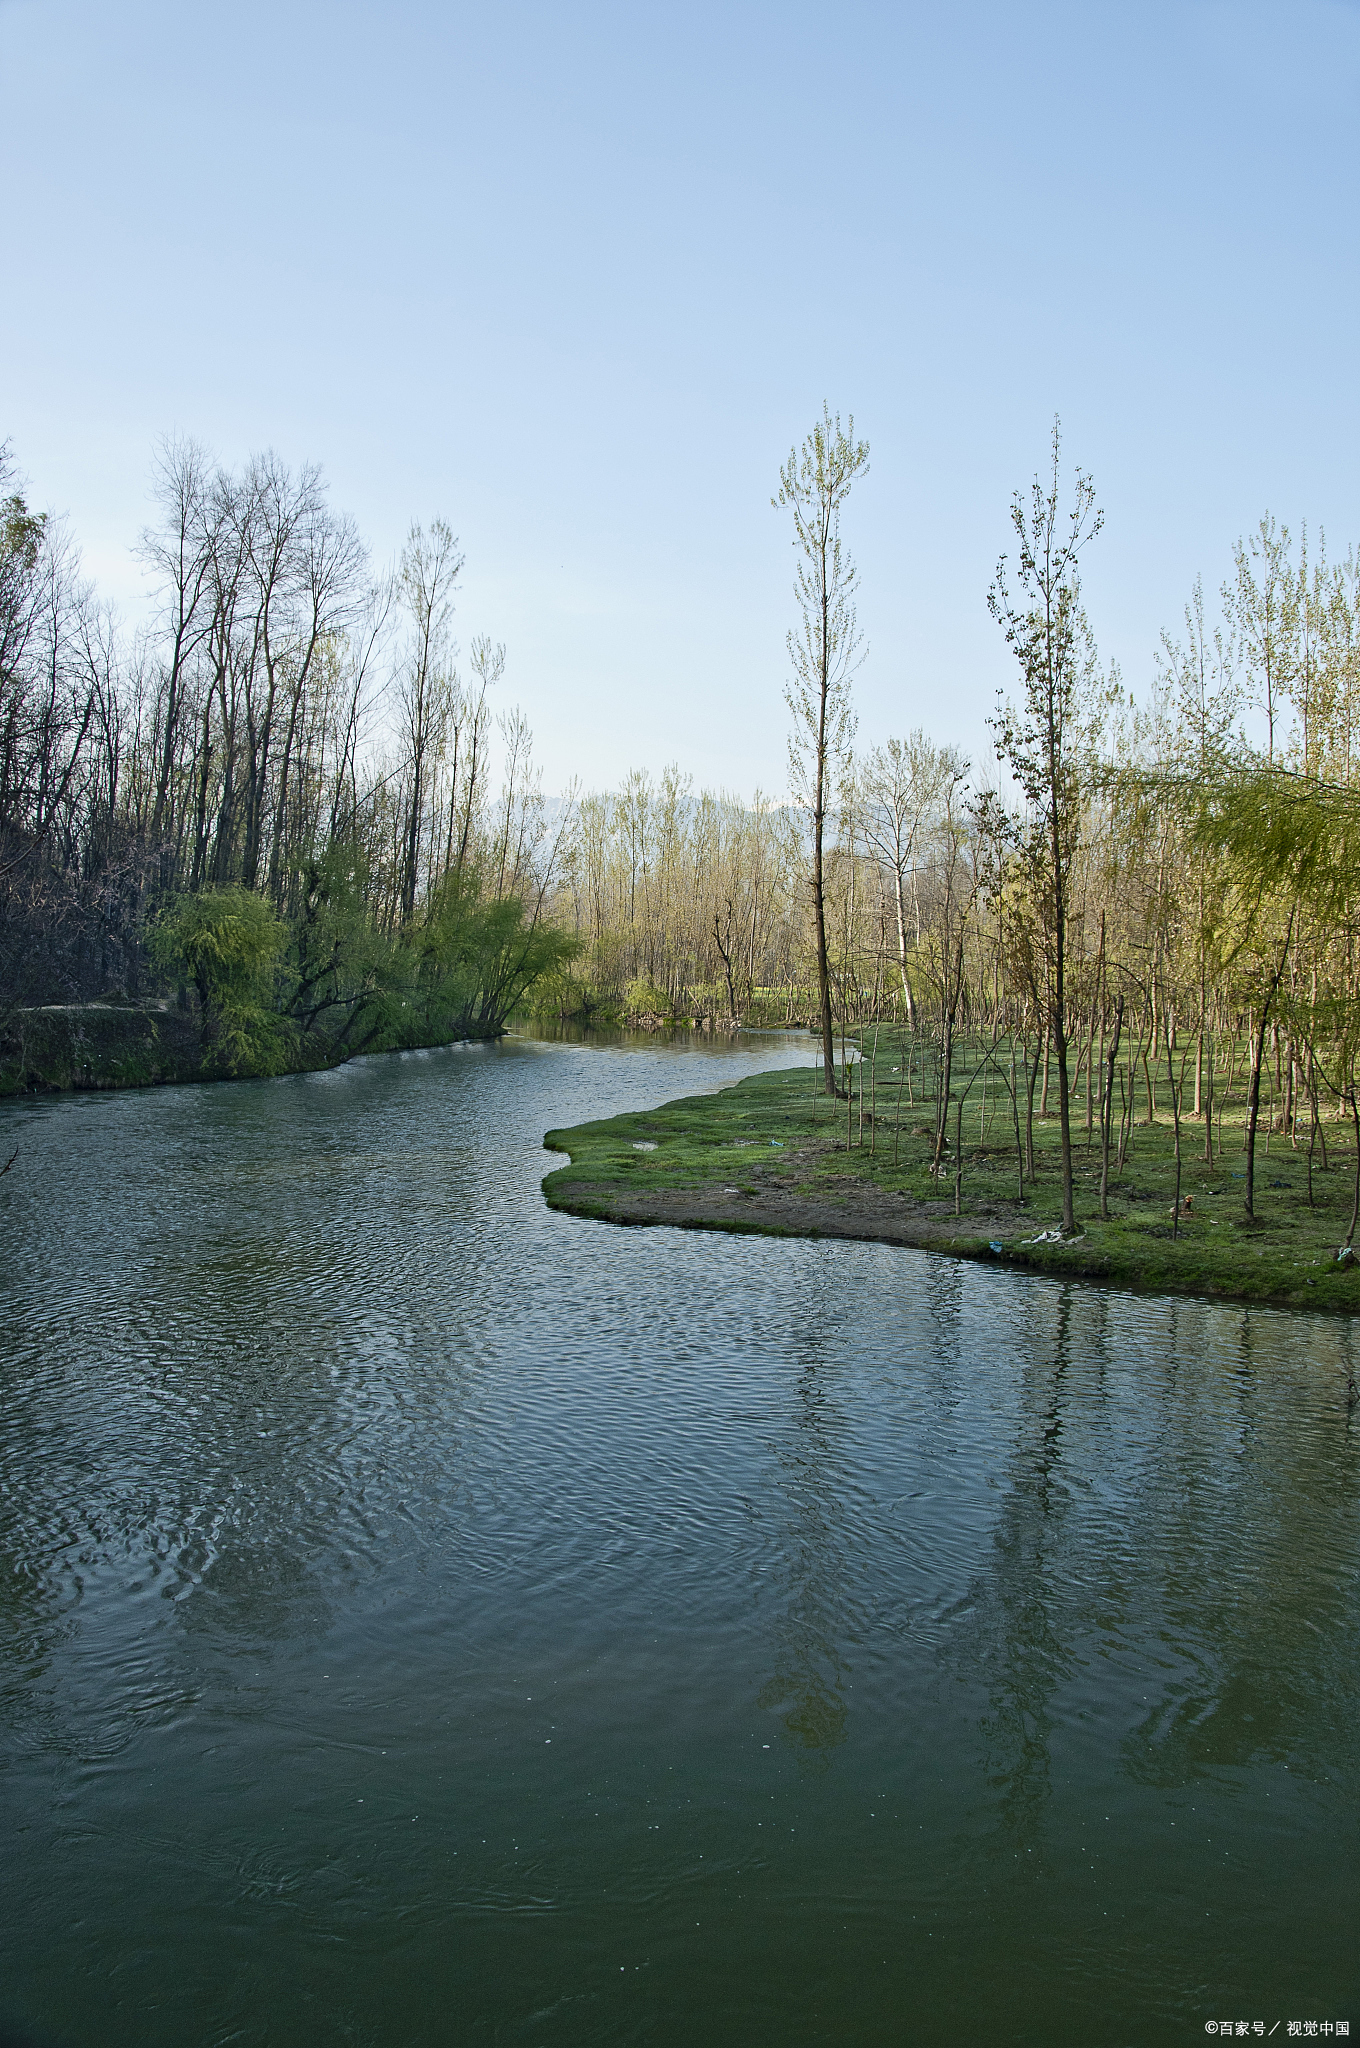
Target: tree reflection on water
808,1684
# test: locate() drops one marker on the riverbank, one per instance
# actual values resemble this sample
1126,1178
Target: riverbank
70,1046
770,1156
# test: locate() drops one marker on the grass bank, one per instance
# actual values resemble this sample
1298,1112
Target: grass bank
770,1155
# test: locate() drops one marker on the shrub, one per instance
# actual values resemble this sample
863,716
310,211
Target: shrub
642,998
228,943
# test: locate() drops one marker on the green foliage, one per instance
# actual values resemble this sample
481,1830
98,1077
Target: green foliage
349,979
335,979
1274,831
770,1155
21,536
1288,849
642,998
475,959
559,993
228,943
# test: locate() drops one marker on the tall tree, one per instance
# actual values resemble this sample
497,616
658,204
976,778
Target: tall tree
180,554
824,651
1046,629
428,577
1263,607
902,786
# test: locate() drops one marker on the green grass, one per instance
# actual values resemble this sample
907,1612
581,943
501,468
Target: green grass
1287,1255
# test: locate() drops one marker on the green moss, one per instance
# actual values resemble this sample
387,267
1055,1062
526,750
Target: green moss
97,1045
1287,1256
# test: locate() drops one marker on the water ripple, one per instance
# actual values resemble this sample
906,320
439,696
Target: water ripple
435,1596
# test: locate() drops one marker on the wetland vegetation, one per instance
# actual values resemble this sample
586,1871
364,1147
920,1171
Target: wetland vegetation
267,834
773,1155
624,1585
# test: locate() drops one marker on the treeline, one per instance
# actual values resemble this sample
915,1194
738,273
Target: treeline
275,802
688,903
1147,907
275,807
682,905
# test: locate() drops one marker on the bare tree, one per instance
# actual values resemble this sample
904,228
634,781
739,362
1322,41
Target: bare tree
428,577
903,784
179,550
488,665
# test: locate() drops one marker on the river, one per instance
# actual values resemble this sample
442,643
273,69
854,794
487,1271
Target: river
430,1619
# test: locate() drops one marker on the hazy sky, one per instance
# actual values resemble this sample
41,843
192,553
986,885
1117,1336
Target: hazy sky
576,277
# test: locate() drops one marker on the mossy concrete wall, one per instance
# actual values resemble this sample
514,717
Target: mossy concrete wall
109,1045
96,1045
128,1045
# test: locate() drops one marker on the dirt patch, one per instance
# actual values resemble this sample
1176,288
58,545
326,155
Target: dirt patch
849,1208
764,1157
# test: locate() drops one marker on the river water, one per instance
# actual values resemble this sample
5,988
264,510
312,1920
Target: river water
429,1619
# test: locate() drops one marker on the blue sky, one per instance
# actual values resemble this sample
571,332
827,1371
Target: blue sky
576,277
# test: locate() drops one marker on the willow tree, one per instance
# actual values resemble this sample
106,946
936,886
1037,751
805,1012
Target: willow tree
1289,850
824,652
1039,739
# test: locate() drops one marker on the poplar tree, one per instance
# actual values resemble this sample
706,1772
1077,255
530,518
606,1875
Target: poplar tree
824,652
1046,629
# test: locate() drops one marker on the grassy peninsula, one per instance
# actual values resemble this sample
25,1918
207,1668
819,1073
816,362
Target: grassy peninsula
772,1155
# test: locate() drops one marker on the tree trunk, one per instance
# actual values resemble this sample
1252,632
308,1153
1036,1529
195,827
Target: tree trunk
902,950
946,1071
1254,1103
1107,1110
1176,1123
1069,1223
1253,1110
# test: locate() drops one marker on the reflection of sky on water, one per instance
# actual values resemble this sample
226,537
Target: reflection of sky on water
847,1584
